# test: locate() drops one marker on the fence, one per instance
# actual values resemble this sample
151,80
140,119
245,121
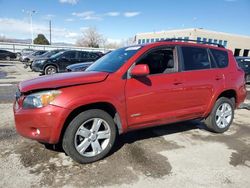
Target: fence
17,47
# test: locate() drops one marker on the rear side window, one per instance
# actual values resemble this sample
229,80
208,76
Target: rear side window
195,58
220,57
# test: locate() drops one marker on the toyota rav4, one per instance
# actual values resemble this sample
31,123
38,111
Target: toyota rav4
130,88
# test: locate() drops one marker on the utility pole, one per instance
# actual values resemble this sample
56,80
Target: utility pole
50,32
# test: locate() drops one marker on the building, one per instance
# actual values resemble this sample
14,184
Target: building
240,45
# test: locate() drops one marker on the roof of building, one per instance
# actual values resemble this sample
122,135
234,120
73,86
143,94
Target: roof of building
193,30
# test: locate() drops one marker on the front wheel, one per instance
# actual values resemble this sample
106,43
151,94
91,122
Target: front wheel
90,136
50,70
221,116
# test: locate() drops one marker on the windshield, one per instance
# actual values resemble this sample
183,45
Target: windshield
57,54
114,60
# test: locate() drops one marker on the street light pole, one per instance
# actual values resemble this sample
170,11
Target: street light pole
50,32
30,13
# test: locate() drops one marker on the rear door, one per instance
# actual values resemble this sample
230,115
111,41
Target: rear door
84,57
201,78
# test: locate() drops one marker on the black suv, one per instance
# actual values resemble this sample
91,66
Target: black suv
7,55
244,63
59,62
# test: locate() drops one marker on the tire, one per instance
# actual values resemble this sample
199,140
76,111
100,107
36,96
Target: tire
221,116
50,69
90,136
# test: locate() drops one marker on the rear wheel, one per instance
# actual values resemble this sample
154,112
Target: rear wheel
221,116
50,70
90,136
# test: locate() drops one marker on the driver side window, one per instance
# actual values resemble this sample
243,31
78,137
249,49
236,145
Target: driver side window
70,55
160,61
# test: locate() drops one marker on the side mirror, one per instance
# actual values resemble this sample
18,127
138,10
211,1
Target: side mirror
140,70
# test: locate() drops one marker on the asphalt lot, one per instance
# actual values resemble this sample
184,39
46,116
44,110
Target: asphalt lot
176,155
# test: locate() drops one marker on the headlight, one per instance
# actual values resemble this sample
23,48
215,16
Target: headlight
40,99
39,61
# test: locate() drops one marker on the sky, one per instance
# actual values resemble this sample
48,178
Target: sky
120,19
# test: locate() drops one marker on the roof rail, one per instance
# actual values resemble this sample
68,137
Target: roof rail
188,40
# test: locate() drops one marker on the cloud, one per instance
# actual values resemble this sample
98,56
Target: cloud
22,28
87,15
69,20
112,14
72,2
48,16
131,14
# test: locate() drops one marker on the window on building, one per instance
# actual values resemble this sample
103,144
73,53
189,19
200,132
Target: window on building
210,40
162,39
139,41
143,41
220,57
157,39
225,43
152,40
245,53
220,42
198,39
237,52
204,39
195,58
186,38
147,41
179,38
215,41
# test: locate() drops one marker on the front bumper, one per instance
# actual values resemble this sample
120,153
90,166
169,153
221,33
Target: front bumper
41,124
36,68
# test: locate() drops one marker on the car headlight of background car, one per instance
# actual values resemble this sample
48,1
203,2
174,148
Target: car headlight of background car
40,99
39,61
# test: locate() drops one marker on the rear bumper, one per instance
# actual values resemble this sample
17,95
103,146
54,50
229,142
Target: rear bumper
43,124
241,95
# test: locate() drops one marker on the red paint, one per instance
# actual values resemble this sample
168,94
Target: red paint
140,102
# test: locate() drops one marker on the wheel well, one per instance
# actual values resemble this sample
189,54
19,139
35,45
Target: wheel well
107,107
50,65
231,94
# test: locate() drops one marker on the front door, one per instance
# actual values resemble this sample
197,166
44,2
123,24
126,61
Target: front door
155,99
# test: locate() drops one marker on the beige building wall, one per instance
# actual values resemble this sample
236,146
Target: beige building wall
231,41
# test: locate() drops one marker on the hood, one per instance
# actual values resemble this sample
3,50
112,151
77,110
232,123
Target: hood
62,80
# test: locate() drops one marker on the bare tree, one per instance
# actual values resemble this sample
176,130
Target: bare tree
90,38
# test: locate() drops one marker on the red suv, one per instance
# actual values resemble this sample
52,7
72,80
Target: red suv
130,88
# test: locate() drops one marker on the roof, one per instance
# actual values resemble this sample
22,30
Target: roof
192,30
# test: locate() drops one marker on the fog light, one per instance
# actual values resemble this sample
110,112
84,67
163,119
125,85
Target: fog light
36,132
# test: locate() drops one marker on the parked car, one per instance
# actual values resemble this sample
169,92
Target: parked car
7,55
59,62
28,57
128,89
45,55
24,52
244,63
78,67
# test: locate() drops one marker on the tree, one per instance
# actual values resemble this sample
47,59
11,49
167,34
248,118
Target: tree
90,38
41,39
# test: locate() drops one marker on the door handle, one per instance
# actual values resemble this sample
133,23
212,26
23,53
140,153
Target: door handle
218,77
177,82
